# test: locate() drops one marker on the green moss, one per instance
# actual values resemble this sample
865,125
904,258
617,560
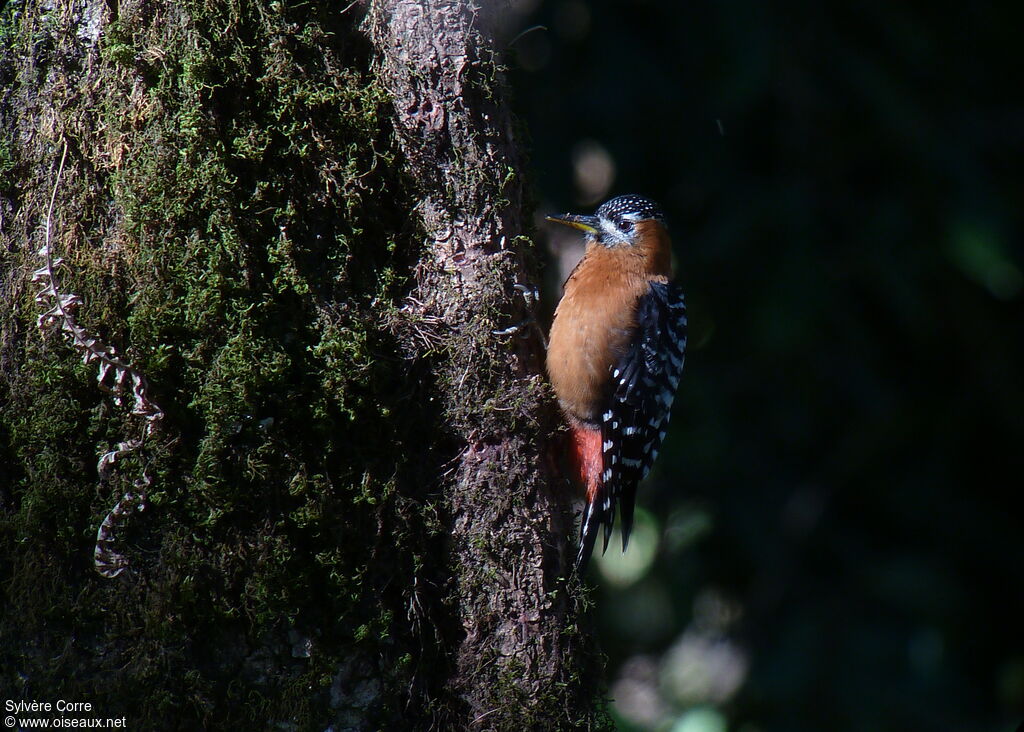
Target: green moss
116,46
263,263
7,163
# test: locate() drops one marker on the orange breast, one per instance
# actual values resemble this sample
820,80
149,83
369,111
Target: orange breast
596,319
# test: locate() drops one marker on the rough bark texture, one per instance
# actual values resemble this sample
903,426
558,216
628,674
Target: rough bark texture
436,61
302,225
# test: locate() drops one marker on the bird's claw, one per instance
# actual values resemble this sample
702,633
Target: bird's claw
514,329
530,293
531,296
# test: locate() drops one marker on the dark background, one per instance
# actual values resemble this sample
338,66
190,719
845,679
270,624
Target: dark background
834,536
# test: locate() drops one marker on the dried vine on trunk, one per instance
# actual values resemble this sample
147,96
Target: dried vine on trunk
114,376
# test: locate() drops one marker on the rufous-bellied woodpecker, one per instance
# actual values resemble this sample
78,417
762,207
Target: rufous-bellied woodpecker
615,355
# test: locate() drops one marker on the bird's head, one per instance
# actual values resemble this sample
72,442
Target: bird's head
615,221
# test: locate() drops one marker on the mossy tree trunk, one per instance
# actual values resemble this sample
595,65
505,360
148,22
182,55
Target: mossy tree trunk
302,223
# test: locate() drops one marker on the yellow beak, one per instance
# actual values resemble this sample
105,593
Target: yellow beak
587,224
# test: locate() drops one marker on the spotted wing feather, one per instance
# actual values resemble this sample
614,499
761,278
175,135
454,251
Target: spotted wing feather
633,426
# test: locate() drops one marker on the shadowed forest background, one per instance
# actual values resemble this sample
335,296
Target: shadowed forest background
833,535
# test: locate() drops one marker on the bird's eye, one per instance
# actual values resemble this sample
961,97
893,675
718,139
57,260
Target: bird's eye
625,225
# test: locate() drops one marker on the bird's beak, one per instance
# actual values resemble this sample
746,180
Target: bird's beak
583,223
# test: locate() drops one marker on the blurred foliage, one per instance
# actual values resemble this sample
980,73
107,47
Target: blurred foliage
837,507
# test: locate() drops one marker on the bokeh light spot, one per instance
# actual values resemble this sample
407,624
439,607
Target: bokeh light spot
981,255
703,667
593,171
701,719
623,569
686,526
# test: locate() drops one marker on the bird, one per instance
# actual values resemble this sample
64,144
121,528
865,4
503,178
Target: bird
615,355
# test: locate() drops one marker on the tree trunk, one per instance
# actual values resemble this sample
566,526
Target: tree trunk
281,240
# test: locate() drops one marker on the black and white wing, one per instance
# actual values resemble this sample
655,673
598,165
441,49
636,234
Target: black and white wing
633,426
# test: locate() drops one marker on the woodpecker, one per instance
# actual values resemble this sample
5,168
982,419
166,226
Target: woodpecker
615,356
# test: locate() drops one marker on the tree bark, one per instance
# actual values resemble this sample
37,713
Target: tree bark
436,59
281,241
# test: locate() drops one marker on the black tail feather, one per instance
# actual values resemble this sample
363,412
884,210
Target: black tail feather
589,528
608,519
627,506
